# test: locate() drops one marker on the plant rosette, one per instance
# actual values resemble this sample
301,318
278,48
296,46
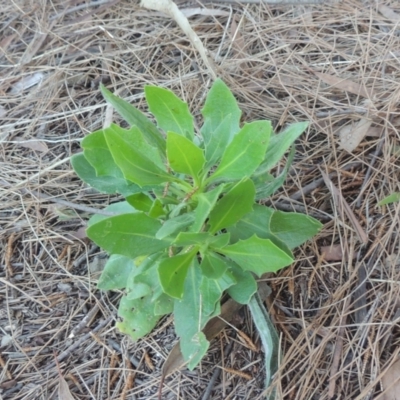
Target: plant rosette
190,229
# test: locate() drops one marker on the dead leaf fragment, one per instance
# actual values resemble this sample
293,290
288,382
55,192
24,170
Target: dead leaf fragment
332,253
63,390
351,138
388,13
26,82
345,84
35,145
391,382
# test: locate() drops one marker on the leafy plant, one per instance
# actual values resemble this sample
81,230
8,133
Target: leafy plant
190,229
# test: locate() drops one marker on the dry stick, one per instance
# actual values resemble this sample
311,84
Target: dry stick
75,345
171,9
338,350
83,323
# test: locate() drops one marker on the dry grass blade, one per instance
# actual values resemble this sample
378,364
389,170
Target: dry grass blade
344,207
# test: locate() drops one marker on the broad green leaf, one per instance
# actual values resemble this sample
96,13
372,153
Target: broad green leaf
138,307
135,118
122,207
271,186
257,223
392,198
174,225
134,157
245,153
130,235
233,206
213,266
171,113
96,151
269,338
279,144
156,209
104,184
257,255
188,319
116,272
163,305
219,241
211,292
218,141
206,202
245,287
294,228
140,201
220,103
184,156
172,272
191,238
138,317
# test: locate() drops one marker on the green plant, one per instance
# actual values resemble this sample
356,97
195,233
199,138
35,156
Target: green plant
190,228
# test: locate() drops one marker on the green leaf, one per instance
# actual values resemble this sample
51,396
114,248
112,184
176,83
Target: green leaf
269,188
257,255
140,201
131,235
245,153
213,266
206,202
172,273
157,209
175,225
184,156
257,222
188,319
137,309
294,228
217,142
211,292
191,238
163,305
135,118
245,287
279,144
104,184
233,206
116,272
134,157
220,103
269,338
392,198
122,207
138,317
96,151
219,241
171,113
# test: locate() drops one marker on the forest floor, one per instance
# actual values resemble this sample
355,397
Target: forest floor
337,308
